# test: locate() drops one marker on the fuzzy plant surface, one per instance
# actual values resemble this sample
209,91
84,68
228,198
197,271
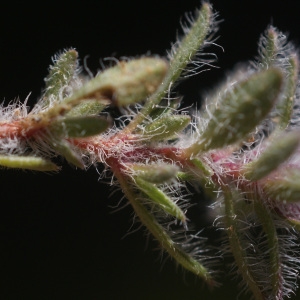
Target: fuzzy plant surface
241,149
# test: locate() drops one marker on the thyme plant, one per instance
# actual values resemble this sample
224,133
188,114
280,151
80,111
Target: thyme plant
241,149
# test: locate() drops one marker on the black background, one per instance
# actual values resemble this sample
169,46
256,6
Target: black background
59,237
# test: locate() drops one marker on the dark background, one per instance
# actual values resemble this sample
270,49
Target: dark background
59,237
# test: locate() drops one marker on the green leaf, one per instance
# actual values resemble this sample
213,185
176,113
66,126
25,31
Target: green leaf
182,55
269,47
166,127
201,173
284,186
205,170
173,248
239,110
275,258
187,48
274,51
79,127
155,173
279,149
126,83
284,108
166,106
237,244
27,162
88,108
60,75
160,198
64,148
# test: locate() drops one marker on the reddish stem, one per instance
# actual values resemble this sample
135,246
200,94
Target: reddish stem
23,128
